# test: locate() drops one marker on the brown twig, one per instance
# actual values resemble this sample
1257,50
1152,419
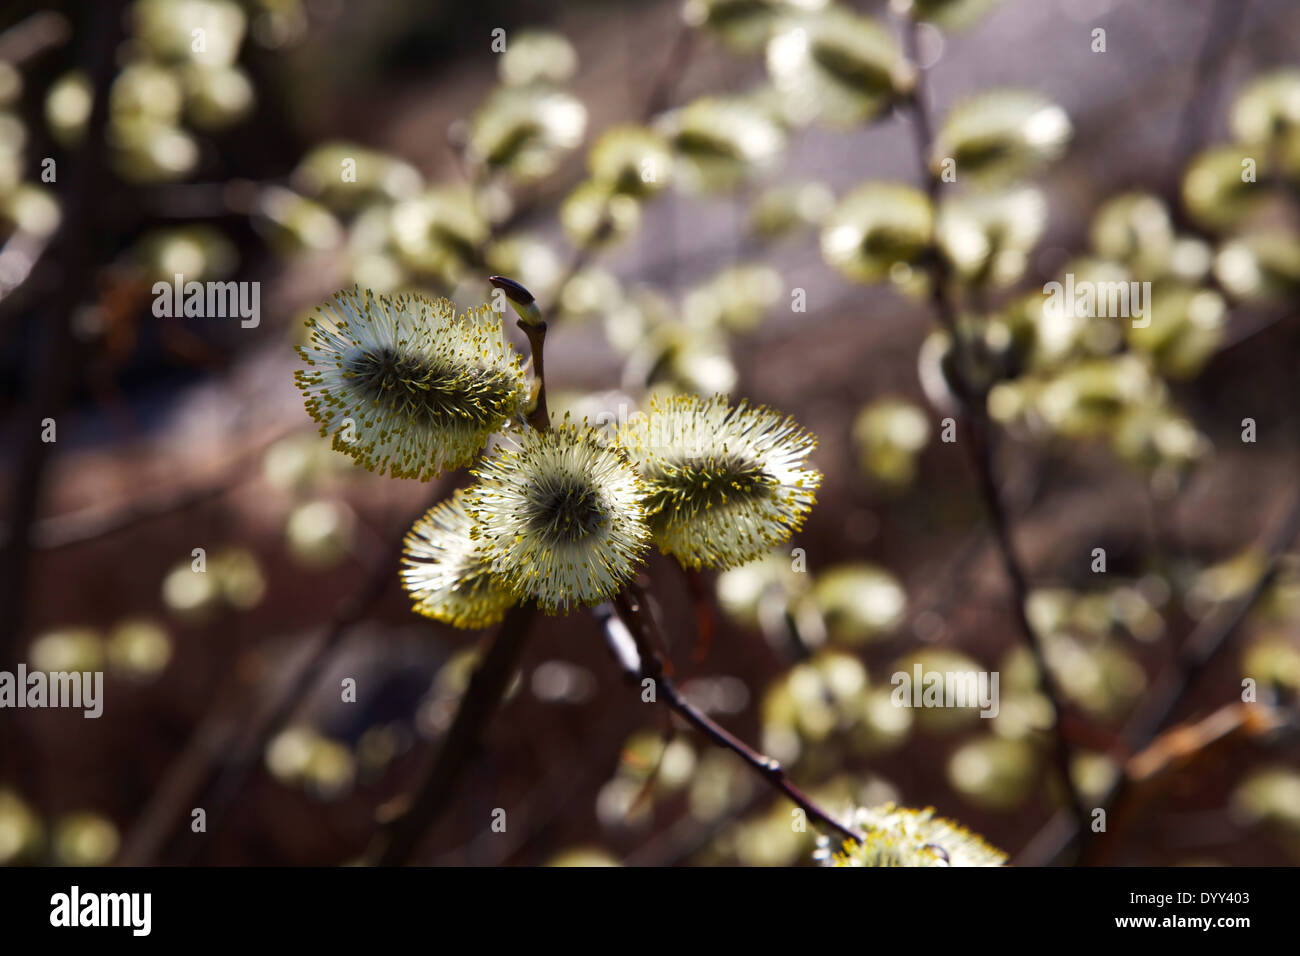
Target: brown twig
670,73
972,402
401,836
638,623
1225,22
1180,675
705,622
658,98
1174,683
980,451
34,36
1206,640
74,246
210,775
540,417
1172,687
547,801
91,524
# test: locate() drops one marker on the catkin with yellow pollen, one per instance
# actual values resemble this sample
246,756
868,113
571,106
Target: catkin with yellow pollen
405,384
725,483
897,836
560,517
446,574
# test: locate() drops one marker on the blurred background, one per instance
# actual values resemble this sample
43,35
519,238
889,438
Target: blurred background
664,177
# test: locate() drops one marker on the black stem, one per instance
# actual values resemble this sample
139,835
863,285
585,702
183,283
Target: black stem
972,402
401,837
639,624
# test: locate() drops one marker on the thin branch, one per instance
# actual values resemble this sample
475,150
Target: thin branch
1206,640
210,776
533,326
401,836
948,583
1223,27
1173,686
1180,675
687,837
650,666
91,524
1182,746
705,622
670,72
540,417
74,246
19,257
980,449
546,801
33,37
658,98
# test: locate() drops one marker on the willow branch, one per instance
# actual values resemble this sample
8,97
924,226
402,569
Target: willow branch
74,246
34,36
533,326
1206,640
1175,682
1226,19
540,417
972,402
635,617
91,524
211,776
400,838
1172,687
1180,675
